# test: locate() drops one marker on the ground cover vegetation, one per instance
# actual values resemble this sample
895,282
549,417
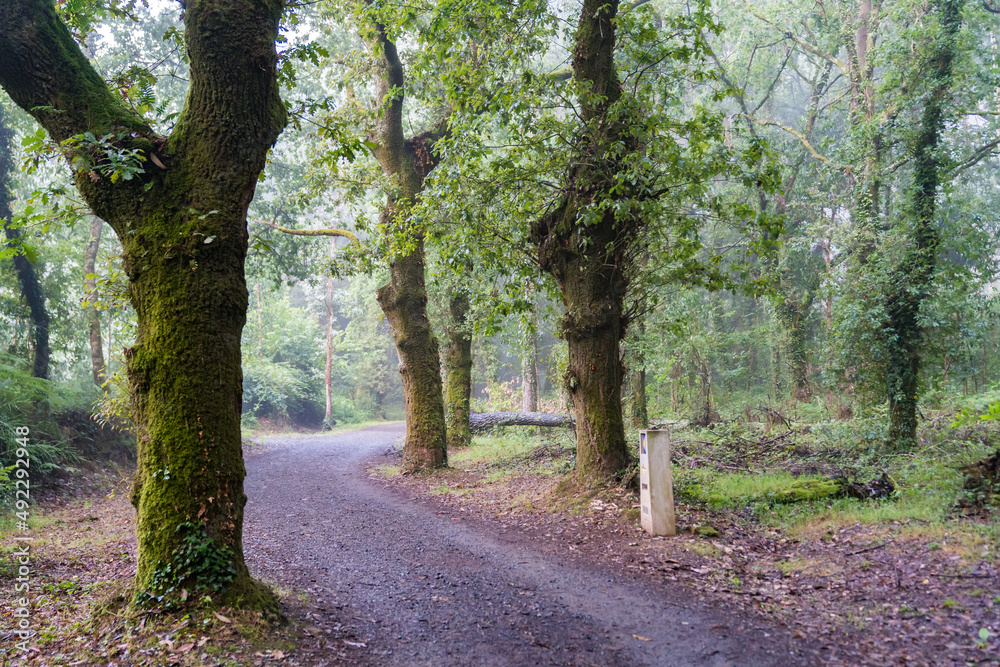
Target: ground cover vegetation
768,227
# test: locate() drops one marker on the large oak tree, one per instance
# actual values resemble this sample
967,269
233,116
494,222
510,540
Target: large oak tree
179,209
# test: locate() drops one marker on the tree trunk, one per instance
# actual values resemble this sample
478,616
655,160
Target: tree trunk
458,366
914,275
589,261
482,422
404,298
31,288
529,376
404,302
640,412
637,378
790,315
90,292
328,372
182,226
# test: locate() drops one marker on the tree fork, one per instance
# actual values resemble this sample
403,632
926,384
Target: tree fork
183,230
404,299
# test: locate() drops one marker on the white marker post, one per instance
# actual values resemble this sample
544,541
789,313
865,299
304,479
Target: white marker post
656,483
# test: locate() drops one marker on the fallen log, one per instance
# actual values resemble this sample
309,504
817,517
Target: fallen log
480,422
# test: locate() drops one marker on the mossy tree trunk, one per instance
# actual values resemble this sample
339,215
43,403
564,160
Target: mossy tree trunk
914,276
31,288
458,369
590,260
97,362
404,298
529,375
183,231
791,313
637,381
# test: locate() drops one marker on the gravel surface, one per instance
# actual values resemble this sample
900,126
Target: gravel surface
398,580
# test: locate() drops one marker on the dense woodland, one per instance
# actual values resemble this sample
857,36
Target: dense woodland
630,213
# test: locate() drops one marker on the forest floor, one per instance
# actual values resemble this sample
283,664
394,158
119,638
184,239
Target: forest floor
486,563
911,579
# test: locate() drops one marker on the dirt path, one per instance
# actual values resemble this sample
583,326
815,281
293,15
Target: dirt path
416,585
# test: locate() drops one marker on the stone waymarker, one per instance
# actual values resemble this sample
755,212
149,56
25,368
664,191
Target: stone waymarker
656,483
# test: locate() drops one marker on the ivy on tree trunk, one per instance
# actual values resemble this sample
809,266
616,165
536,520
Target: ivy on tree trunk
913,277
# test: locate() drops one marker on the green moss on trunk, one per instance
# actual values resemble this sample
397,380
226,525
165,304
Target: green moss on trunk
404,302
590,260
458,368
182,226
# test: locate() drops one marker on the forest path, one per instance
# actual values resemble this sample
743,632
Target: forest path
418,585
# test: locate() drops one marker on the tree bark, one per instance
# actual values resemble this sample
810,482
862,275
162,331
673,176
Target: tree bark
90,292
31,288
637,379
183,231
328,371
404,298
529,376
458,367
790,314
482,422
914,276
590,261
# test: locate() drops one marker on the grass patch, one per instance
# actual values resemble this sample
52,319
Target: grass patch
745,466
517,450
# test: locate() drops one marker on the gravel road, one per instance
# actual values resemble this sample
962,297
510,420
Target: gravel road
410,582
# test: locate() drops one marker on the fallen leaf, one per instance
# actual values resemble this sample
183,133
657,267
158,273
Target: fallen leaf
185,648
356,644
202,641
278,655
222,618
642,639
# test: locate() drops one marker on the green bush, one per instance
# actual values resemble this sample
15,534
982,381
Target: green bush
278,390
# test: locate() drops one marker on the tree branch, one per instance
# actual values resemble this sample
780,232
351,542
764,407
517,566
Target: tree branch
795,133
310,232
45,73
806,46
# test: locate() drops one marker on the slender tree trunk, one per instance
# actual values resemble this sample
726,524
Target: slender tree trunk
328,373
637,382
31,288
404,298
90,291
458,367
182,225
914,276
529,375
